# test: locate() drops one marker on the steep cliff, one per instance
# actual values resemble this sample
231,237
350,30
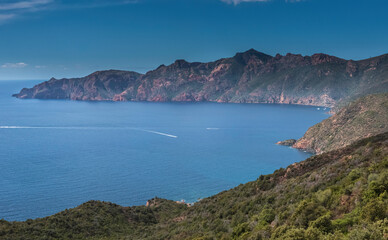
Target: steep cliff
249,77
364,117
102,85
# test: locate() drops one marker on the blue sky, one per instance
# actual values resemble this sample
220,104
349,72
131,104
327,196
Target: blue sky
40,39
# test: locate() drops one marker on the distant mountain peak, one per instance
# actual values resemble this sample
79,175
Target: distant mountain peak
181,63
254,52
319,58
244,57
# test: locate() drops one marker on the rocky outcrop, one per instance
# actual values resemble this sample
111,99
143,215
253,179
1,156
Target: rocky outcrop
367,116
248,77
102,85
289,142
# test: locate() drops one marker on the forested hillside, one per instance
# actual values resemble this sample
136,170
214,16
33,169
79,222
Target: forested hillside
342,194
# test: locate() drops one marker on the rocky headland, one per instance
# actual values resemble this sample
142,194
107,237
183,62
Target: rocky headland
365,117
288,142
248,77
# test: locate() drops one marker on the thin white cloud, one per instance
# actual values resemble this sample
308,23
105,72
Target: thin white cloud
10,9
96,3
23,4
40,66
14,65
235,2
6,17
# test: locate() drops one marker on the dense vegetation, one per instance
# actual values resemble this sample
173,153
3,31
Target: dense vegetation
365,117
342,194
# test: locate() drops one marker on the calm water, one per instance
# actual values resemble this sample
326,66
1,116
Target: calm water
59,154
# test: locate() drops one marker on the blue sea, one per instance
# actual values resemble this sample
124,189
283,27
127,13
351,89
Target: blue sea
57,154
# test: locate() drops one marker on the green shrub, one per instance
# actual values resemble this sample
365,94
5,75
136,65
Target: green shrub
267,215
368,232
295,234
306,212
239,230
323,223
374,210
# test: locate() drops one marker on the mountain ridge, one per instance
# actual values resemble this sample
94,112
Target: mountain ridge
247,77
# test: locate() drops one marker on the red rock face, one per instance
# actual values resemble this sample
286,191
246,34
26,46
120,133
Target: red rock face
304,144
184,97
249,77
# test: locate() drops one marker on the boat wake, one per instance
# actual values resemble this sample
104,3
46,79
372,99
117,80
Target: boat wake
159,133
90,128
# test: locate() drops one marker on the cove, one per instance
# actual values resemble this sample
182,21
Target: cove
57,154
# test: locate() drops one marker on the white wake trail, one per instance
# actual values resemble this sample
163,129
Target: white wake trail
89,128
29,127
160,133
19,127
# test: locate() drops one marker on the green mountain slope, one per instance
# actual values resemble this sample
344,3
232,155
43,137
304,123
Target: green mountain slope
362,118
341,194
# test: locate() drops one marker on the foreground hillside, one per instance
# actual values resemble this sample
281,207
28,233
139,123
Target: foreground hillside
342,194
249,77
362,118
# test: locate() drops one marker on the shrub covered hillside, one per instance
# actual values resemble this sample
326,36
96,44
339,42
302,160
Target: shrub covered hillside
342,194
365,117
